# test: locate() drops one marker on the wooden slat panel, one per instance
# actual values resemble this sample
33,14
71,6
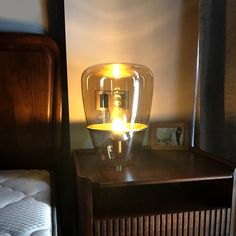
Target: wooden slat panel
209,222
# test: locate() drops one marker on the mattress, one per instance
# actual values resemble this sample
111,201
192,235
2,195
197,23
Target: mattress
25,203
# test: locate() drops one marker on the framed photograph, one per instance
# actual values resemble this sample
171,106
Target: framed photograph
170,136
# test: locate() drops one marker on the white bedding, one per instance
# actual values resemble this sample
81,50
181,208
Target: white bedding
25,203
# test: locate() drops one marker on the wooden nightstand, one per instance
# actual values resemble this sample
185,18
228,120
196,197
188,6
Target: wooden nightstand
162,193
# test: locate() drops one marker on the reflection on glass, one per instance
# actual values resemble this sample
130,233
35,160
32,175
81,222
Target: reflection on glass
117,102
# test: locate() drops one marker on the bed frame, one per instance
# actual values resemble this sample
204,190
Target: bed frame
33,110
30,101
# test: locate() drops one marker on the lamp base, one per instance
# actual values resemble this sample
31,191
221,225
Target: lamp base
117,155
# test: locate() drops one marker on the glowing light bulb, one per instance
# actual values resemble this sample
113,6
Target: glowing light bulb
116,71
119,125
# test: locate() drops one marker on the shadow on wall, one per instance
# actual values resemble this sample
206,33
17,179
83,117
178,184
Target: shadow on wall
187,57
10,25
79,136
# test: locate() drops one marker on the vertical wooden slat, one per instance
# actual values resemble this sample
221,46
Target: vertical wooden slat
213,222
207,222
134,226
97,228
146,225
168,225
174,224
104,228
116,227
228,222
202,222
223,222
152,225
197,223
218,218
128,226
180,223
210,221
220,221
191,223
158,225
122,226
110,227
163,224
140,225
185,224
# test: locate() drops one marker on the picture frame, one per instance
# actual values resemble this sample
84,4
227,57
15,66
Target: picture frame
170,136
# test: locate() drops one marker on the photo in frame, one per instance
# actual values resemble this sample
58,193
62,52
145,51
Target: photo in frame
170,136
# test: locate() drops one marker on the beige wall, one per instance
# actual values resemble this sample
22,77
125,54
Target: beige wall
161,34
23,16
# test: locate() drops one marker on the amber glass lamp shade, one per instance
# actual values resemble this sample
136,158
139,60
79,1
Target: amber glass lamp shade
117,103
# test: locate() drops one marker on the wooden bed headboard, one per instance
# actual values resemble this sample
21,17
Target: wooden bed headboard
30,101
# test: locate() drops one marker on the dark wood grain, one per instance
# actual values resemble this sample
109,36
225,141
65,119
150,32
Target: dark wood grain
160,192
30,101
152,167
34,127
85,208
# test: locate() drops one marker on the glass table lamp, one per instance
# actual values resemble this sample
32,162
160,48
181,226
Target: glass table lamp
117,102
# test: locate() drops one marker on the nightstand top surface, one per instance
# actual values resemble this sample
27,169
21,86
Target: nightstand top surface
151,167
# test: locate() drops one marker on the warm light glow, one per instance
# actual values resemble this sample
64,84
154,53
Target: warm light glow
130,127
119,125
116,71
